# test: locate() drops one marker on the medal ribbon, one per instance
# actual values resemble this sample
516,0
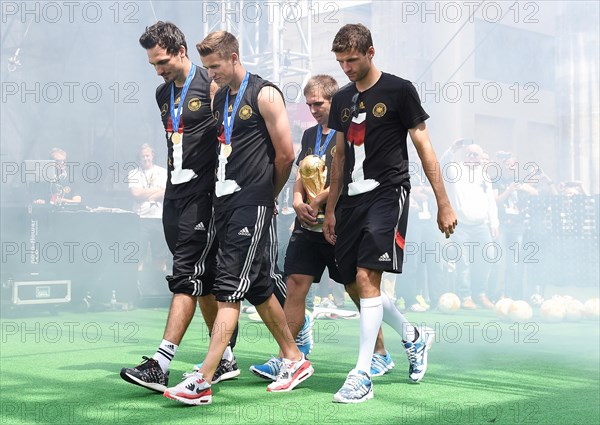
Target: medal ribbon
228,121
318,150
176,116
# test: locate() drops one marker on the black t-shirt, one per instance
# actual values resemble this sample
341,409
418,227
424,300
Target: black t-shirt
376,155
65,186
250,166
191,162
510,210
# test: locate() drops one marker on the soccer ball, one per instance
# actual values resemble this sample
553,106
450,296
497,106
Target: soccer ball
448,303
520,311
502,308
553,310
574,310
592,308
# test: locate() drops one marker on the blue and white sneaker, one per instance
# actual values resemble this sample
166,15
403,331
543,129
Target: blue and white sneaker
381,365
269,370
357,388
304,340
417,353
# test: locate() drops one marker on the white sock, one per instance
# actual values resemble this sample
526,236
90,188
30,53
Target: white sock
371,313
393,317
164,354
228,354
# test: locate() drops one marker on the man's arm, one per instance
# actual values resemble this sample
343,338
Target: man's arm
446,216
492,211
149,194
74,200
272,109
336,183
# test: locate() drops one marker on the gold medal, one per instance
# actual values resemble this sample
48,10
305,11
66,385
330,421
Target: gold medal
176,138
226,150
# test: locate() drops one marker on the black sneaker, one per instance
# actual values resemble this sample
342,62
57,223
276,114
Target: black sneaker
226,370
148,374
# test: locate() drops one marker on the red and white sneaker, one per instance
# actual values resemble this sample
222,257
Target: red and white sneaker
192,390
291,374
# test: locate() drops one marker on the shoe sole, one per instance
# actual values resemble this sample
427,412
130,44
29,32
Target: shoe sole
263,375
151,386
428,345
226,376
303,376
368,396
189,401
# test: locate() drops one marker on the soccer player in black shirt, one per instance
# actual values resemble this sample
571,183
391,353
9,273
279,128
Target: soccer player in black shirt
255,156
184,102
308,253
373,115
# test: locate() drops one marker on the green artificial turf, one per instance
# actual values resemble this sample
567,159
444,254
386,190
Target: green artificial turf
64,369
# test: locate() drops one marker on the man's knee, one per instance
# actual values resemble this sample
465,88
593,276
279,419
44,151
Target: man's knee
298,286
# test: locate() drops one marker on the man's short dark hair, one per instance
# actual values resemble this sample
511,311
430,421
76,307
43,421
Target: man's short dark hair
352,36
166,35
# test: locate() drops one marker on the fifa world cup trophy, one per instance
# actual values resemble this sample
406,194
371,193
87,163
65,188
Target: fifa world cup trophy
313,174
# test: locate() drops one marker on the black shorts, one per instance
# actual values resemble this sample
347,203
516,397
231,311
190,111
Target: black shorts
371,235
191,236
308,253
243,266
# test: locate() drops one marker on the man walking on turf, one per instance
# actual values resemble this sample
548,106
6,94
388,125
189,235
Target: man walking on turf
184,101
308,253
373,116
254,162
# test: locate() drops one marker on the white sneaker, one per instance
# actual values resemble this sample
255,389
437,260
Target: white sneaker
193,390
357,388
417,353
291,374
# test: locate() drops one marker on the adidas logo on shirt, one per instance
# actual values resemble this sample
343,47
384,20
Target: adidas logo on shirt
200,226
385,257
244,232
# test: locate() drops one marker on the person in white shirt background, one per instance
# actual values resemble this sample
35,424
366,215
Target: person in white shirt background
147,186
470,192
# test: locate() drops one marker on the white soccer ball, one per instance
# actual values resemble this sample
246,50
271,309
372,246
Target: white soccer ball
520,311
592,308
574,310
448,303
553,310
502,308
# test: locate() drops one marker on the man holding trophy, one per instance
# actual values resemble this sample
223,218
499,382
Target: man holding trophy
308,253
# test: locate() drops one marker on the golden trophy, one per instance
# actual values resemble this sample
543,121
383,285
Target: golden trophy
313,174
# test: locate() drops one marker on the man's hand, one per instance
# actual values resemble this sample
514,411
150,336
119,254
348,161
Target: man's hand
495,232
329,228
306,214
447,221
